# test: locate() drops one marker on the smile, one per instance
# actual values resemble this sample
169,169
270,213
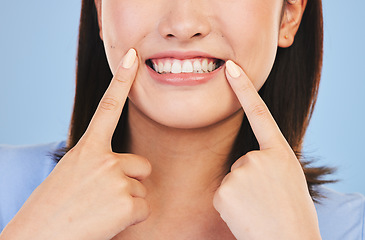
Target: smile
176,66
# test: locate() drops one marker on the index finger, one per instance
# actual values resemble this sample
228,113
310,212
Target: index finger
106,117
263,124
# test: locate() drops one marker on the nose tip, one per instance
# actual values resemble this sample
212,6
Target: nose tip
183,22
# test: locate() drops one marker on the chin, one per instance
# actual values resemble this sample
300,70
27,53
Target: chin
185,117
187,122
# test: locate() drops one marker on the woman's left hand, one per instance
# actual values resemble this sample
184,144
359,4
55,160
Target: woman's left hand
265,196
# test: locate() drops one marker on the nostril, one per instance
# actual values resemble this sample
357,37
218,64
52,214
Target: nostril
195,35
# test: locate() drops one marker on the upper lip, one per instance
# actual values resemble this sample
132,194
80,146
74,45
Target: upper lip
181,55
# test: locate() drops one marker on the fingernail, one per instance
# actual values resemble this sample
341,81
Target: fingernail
129,58
233,69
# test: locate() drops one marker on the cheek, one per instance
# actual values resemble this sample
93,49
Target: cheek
124,25
252,31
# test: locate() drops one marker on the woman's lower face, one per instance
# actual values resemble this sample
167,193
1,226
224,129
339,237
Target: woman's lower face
182,47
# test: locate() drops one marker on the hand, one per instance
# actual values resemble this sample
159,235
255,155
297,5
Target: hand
265,196
93,193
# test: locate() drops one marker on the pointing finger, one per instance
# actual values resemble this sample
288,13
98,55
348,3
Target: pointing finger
263,124
106,117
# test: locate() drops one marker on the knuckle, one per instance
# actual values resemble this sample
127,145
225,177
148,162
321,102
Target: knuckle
121,78
222,193
124,185
146,168
259,110
78,152
109,161
250,160
237,174
87,141
240,162
108,103
216,200
221,197
249,157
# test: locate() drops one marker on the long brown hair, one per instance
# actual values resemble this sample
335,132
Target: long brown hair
290,91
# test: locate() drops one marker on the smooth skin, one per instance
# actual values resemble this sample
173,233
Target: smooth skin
263,197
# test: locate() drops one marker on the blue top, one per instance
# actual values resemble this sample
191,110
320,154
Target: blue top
22,169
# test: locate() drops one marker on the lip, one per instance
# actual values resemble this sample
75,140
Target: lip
181,55
182,79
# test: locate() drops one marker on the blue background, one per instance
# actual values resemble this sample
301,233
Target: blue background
38,42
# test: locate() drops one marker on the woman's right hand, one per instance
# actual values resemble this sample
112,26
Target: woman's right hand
92,193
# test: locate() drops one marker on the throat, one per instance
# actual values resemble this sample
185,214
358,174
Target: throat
188,166
182,222
184,161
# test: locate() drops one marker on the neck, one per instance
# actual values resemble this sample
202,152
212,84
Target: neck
188,166
185,162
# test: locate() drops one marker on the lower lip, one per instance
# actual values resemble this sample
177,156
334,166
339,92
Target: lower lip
183,79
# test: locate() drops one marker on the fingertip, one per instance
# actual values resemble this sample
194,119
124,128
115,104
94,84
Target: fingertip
146,168
129,58
232,69
237,77
127,68
236,165
149,168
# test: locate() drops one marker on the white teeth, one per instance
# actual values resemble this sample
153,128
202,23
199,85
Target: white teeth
176,67
197,65
210,67
205,65
167,67
155,66
160,67
187,67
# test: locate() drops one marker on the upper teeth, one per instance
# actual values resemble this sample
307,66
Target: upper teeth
197,65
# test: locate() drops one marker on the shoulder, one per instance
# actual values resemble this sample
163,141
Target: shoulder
22,169
340,215
32,161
